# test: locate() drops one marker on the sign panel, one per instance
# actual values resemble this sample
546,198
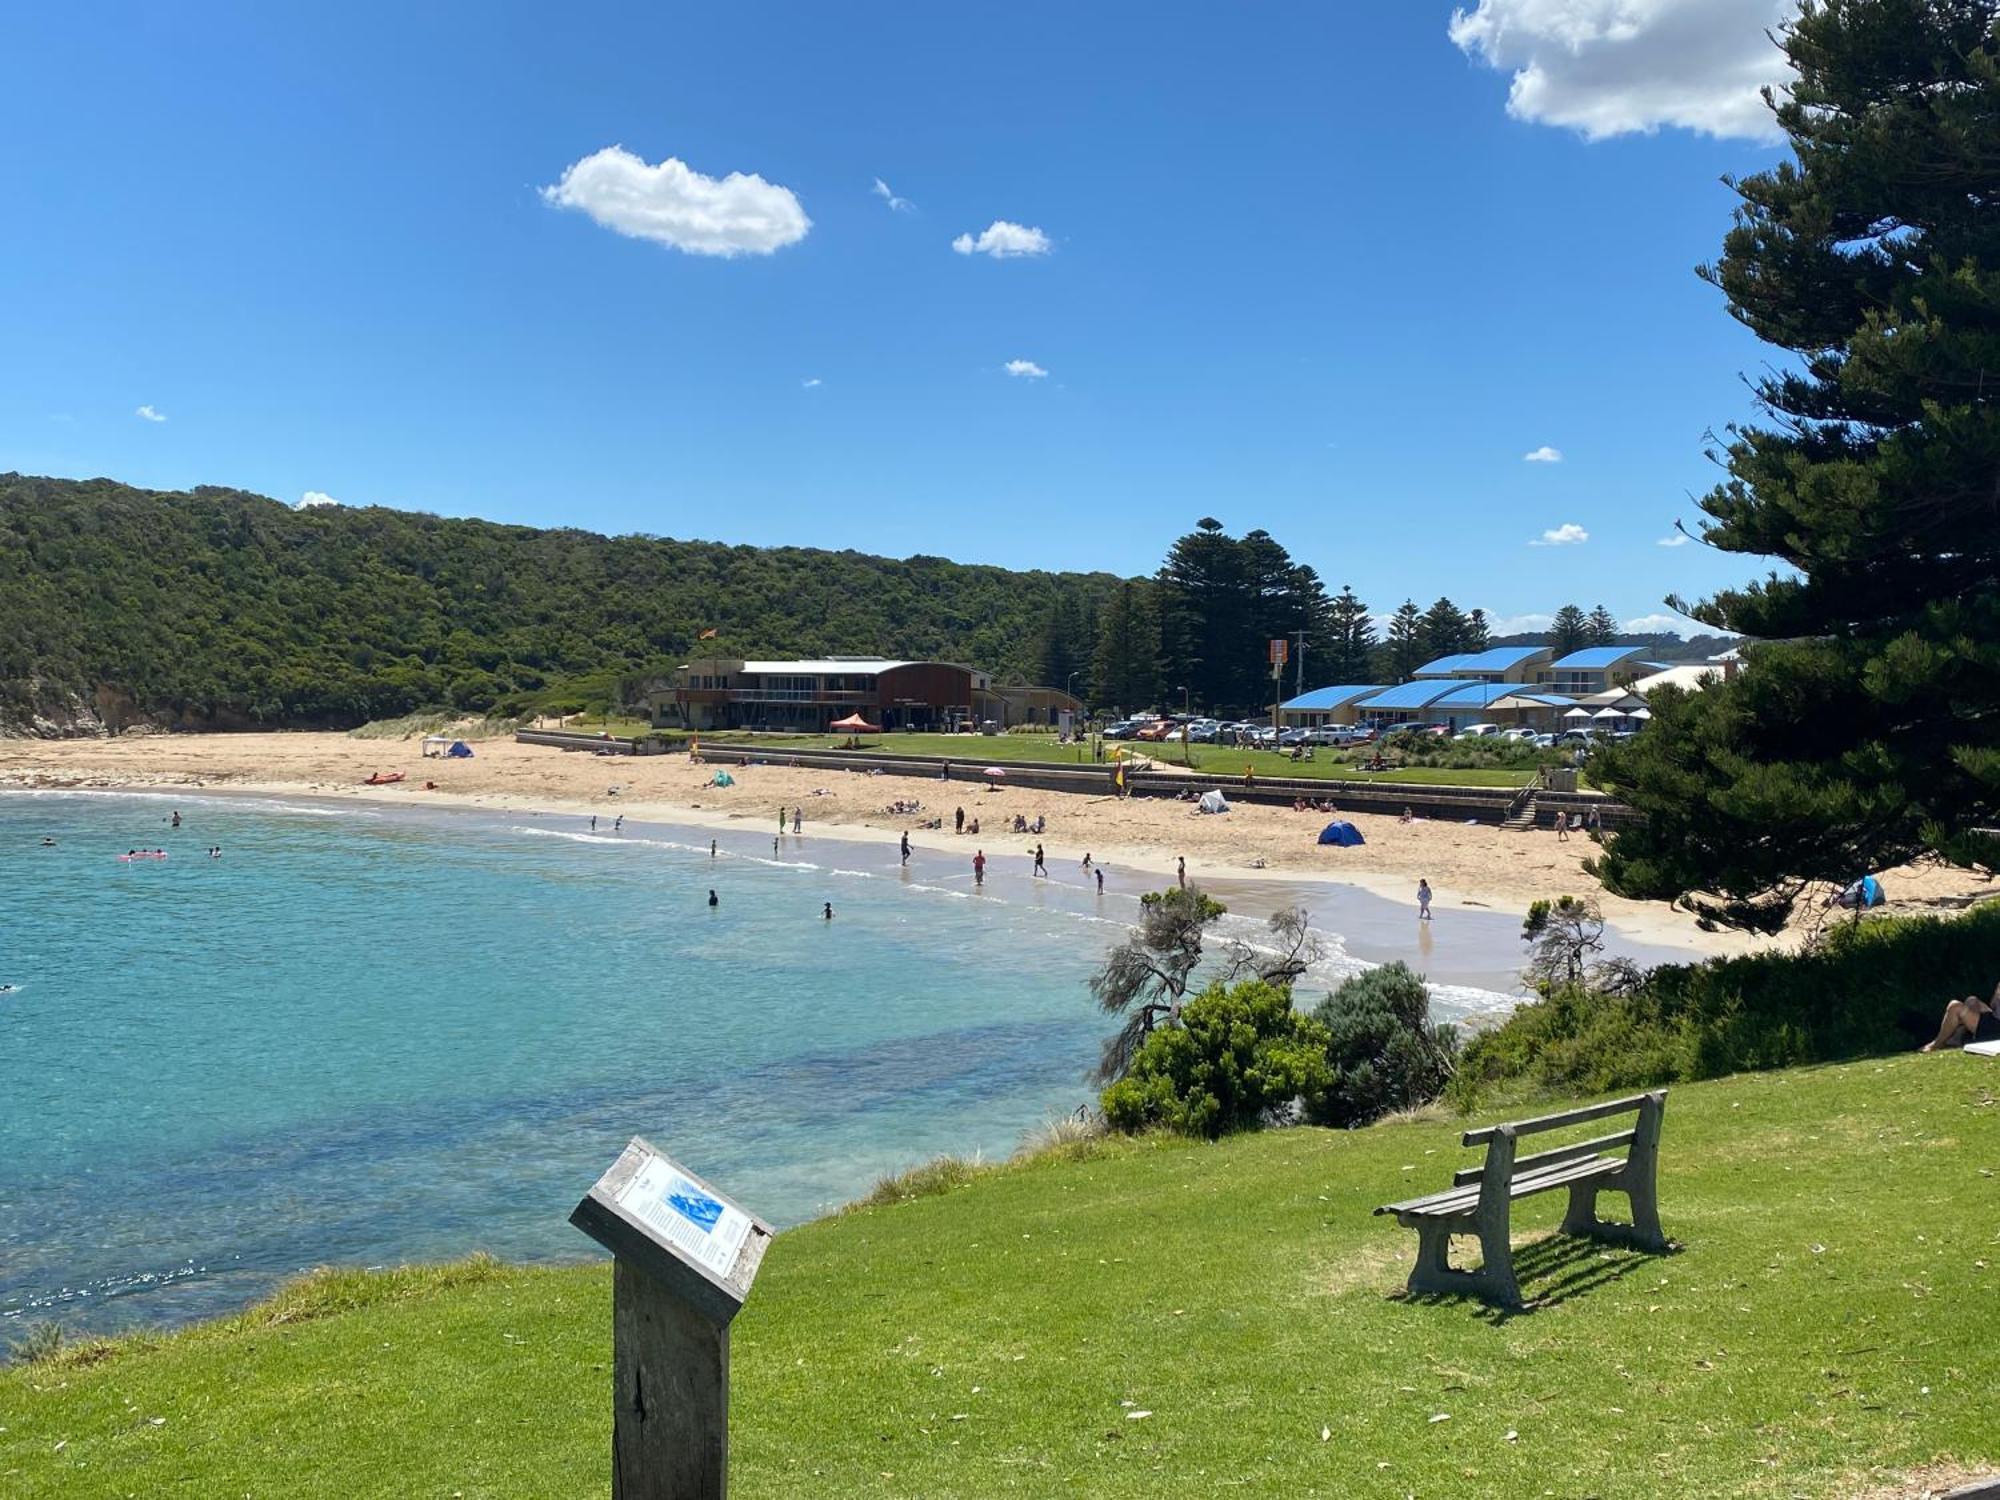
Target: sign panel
686,1215
691,1238
1281,651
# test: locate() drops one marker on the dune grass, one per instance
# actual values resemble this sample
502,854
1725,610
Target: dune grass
1137,1318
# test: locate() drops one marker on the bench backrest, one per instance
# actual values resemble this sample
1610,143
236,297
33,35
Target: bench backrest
1642,1139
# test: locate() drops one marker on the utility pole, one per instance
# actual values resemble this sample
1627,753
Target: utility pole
1300,637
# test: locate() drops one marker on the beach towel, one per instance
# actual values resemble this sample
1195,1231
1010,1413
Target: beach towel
1983,1049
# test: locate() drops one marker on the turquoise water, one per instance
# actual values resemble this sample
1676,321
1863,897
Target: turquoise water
365,1037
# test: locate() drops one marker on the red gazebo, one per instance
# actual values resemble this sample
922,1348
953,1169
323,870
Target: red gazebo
854,724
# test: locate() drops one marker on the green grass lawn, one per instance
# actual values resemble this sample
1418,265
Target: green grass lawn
1166,1318
1211,760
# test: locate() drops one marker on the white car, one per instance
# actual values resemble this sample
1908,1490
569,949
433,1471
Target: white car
1478,731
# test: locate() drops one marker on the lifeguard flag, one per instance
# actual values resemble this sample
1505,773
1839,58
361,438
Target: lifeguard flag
1118,777
706,635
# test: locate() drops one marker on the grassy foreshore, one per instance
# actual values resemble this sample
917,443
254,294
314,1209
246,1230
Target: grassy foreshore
1224,1315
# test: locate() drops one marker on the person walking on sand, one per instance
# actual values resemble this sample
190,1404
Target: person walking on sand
798,819
906,846
958,821
1040,868
979,867
1180,870
1423,900
1562,827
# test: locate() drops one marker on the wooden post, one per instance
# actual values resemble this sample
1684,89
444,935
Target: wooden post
685,1257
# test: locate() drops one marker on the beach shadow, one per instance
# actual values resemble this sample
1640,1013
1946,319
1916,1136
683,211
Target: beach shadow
1550,1270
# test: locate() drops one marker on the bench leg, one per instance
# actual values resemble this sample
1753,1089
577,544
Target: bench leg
1434,1275
1644,1232
1496,1249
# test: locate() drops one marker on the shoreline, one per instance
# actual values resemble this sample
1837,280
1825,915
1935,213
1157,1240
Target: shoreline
1258,891
1471,867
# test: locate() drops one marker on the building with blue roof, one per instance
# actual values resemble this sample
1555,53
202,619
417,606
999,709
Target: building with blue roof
1595,669
1326,705
1499,664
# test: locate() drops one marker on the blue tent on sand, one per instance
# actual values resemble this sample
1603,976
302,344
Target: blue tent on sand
1341,832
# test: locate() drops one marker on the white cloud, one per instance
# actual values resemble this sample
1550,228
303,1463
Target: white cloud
1543,455
1674,539
1025,367
151,414
1569,534
1612,67
1655,624
313,499
811,382
1003,240
1527,624
672,204
896,205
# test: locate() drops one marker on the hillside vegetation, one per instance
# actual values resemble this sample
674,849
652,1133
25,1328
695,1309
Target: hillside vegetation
1136,1318
216,608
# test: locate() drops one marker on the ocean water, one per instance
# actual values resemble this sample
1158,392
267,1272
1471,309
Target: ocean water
366,1036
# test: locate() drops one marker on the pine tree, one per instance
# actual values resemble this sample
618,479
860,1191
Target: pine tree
1445,630
1865,729
1603,628
1205,617
1406,650
1478,635
1125,672
1570,631
1349,657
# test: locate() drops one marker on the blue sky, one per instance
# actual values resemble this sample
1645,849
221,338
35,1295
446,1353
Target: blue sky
1325,269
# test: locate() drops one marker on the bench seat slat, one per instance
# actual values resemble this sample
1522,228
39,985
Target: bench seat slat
1456,1201
1556,1122
1597,1146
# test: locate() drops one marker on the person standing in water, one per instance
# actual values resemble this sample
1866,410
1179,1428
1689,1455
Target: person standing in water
1180,869
827,915
1423,900
712,901
979,867
1100,880
618,824
774,846
1040,868
798,819
781,820
177,818
1086,859
711,849
906,846
593,822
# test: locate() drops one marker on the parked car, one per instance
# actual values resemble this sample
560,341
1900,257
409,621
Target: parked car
1325,734
1479,731
1545,742
1154,732
1354,734
1523,736
1204,731
1290,737
1124,729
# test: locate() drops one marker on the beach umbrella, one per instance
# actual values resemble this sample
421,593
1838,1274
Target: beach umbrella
995,771
1607,713
1577,713
854,724
1640,713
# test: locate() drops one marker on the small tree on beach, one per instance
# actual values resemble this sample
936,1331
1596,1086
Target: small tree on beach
1145,978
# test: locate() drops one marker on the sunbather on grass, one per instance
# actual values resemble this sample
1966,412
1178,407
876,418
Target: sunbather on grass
1968,1020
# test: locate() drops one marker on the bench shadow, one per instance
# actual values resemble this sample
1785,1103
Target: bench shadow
1550,1271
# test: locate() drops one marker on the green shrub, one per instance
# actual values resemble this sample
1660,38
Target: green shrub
1874,986
1239,1051
1383,1051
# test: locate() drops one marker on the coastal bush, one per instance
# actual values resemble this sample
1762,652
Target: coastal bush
1383,1052
1873,986
1240,1052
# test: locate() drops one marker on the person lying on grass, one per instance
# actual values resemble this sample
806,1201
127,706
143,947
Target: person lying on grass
1968,1020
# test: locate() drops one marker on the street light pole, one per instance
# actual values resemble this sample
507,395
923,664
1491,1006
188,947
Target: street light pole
1187,755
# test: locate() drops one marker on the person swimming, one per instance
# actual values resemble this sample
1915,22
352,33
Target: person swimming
48,843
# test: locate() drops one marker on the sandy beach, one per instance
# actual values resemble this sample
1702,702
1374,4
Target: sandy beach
1468,865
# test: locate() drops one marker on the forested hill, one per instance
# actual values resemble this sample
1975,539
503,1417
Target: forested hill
225,609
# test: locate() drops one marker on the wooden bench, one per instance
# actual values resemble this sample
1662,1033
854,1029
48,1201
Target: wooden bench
1480,1199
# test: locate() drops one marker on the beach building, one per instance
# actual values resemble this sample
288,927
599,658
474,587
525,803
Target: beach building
1595,669
1327,705
1520,664
809,694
